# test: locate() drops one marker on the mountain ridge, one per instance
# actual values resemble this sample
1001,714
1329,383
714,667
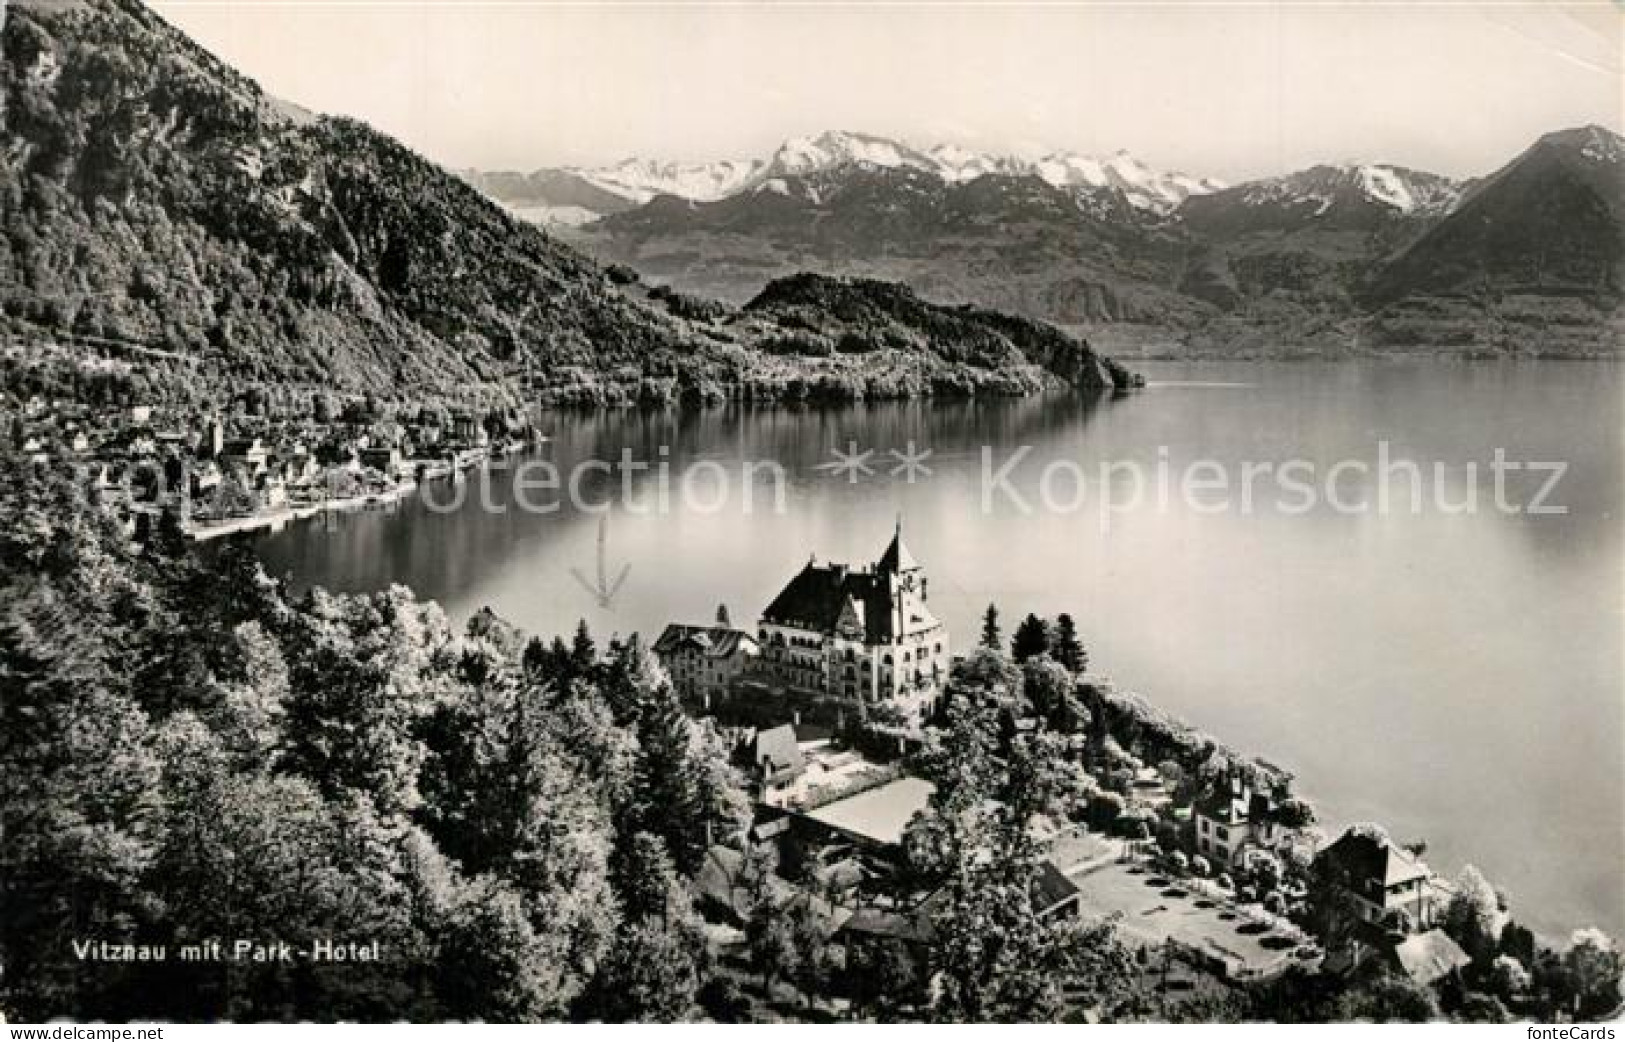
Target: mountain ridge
206,237
639,180
1309,261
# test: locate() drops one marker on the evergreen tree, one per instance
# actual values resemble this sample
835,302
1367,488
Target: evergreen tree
776,949
644,877
1068,650
992,639
651,975
494,965
674,792
1032,637
583,652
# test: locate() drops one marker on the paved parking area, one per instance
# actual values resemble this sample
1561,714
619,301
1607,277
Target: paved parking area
1153,908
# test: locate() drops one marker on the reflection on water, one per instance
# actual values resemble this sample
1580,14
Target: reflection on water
1455,676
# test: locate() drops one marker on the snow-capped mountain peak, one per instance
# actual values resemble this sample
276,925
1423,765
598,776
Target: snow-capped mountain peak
1143,186
800,156
642,179
958,164
1408,192
788,170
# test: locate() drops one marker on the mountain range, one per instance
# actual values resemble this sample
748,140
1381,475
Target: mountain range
574,195
1337,257
185,233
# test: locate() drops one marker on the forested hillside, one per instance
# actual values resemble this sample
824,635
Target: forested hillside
189,754
164,213
154,196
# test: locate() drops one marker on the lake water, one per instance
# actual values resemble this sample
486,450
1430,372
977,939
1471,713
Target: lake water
1455,675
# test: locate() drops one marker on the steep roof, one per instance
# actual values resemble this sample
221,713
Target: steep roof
1426,957
714,641
896,557
819,596
1052,887
915,928
777,753
723,878
1365,859
814,599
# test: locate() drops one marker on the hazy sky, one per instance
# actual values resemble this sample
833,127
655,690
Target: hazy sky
1229,89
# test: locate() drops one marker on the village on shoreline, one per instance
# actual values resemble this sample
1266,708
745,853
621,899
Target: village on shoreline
251,471
1205,862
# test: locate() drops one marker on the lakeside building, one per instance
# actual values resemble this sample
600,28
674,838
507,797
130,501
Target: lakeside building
1380,877
705,661
1234,819
249,455
862,635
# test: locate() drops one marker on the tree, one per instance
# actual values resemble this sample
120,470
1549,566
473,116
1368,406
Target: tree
1517,941
1472,917
683,790
1068,649
987,670
493,964
1104,809
1032,637
992,639
814,965
583,652
1047,685
1509,978
645,879
884,982
1593,960
1261,870
650,976
993,958
771,936
724,1001
1389,999
1294,813
1478,1008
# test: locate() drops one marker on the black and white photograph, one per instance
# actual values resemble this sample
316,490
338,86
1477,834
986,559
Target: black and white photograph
818,512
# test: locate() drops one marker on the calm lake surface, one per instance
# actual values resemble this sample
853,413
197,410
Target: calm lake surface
1454,675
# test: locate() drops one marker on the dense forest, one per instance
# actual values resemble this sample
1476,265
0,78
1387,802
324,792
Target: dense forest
189,754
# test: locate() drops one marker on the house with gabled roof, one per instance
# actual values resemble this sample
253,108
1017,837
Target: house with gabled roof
704,661
1380,877
777,765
